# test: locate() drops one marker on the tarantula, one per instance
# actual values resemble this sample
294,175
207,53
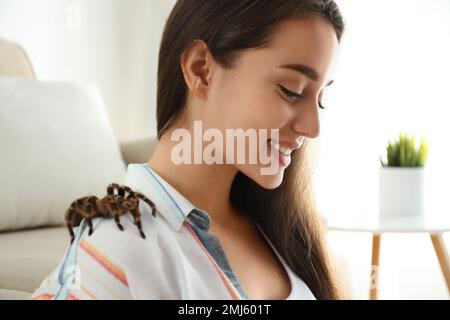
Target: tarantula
109,206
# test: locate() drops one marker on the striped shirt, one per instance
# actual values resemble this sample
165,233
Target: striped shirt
179,259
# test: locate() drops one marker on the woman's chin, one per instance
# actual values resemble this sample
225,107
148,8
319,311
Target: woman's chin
266,181
270,181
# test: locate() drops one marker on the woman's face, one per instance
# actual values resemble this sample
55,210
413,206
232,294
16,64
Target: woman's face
260,92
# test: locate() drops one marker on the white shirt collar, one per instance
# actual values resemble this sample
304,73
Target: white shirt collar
171,204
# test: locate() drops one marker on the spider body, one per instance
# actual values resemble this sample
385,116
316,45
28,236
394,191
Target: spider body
111,206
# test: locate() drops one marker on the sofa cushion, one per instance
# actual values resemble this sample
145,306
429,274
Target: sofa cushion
56,145
28,256
14,295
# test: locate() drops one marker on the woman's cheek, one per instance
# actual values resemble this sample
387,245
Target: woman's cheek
274,112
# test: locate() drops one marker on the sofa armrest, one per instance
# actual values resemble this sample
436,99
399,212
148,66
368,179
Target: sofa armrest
138,151
14,61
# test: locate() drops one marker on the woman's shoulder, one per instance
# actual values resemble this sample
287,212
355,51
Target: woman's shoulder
127,239
110,261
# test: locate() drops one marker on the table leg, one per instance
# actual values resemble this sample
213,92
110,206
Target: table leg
442,255
376,241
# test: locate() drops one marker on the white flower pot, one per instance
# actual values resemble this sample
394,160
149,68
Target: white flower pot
401,191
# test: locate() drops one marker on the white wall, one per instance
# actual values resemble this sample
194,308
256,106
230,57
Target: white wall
393,74
112,43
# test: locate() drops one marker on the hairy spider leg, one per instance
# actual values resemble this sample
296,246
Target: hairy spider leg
88,215
115,213
148,201
70,214
111,188
137,220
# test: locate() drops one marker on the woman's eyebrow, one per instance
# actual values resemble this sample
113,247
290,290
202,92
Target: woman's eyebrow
305,70
329,83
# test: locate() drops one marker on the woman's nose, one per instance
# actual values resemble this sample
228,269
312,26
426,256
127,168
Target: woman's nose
307,124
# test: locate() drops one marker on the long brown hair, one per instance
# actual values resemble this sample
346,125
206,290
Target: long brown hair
287,214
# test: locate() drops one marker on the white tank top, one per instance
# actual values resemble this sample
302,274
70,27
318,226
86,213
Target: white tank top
299,289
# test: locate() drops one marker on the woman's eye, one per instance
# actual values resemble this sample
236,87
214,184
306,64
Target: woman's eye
321,105
292,96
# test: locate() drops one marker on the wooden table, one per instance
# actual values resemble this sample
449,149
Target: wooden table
435,228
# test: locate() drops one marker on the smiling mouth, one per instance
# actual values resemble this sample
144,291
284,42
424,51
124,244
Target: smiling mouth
283,150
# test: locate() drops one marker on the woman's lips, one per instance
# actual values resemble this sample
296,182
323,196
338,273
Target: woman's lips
284,149
284,160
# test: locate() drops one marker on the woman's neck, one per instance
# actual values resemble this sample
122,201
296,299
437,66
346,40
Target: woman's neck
206,186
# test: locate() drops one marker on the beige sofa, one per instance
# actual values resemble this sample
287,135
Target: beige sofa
27,255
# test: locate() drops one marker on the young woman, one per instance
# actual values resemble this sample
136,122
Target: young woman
223,230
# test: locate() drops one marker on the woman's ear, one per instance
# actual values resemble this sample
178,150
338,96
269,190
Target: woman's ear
196,63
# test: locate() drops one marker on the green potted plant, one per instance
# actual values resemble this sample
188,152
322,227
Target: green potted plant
401,185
